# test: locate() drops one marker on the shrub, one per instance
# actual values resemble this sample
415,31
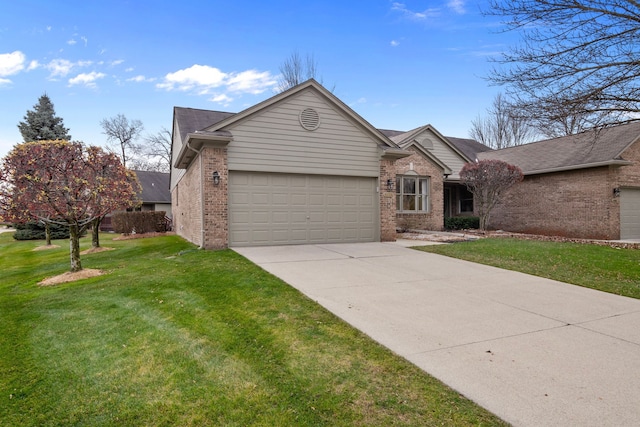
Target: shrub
139,222
461,222
36,231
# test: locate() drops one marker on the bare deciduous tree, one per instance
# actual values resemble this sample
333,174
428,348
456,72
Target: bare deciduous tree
158,150
487,180
579,59
123,134
296,69
501,127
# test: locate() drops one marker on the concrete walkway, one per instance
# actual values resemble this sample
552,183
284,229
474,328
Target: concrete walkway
533,351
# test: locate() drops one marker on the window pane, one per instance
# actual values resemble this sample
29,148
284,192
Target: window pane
398,202
424,186
409,186
398,185
409,203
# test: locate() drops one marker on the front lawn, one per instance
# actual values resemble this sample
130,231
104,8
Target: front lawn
175,336
599,267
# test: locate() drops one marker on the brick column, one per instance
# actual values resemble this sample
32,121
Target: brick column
216,206
387,201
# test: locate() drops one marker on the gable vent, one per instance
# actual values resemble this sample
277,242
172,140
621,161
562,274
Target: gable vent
309,119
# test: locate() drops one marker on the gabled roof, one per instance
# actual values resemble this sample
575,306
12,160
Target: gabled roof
588,149
445,169
405,138
155,186
470,147
309,84
200,126
193,119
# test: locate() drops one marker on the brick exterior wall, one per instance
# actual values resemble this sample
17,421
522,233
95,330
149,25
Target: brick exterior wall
387,202
216,198
572,204
629,176
186,205
434,219
577,203
187,201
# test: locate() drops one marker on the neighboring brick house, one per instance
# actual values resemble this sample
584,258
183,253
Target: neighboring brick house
584,186
300,167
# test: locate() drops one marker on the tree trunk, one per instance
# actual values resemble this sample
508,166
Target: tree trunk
95,230
47,233
74,247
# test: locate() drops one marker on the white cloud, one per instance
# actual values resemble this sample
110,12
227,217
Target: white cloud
251,81
59,67
415,16
222,99
71,42
206,80
117,62
86,79
11,63
196,76
394,43
62,67
85,40
457,6
140,79
33,65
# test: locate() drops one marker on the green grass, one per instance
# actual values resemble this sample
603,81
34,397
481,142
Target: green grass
172,335
599,267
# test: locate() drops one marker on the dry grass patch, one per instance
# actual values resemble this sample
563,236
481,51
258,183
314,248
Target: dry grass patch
70,276
46,247
96,250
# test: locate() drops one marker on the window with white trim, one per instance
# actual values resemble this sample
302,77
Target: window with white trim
412,193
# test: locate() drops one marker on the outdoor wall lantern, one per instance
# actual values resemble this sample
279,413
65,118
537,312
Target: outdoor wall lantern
616,192
216,178
390,184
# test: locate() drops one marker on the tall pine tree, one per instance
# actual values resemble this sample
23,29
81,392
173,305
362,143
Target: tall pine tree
41,124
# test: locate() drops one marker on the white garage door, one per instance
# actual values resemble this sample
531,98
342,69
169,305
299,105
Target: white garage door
285,209
630,213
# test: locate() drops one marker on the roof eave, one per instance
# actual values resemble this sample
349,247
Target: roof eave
195,141
613,162
392,153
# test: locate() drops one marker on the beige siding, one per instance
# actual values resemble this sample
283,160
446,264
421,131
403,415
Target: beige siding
444,153
274,141
176,146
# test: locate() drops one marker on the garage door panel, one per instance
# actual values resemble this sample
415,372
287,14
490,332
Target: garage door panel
630,213
268,208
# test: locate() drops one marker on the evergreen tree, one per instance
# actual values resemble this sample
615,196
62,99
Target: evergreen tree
41,124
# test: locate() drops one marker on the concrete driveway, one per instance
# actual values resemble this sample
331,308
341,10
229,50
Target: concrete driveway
533,351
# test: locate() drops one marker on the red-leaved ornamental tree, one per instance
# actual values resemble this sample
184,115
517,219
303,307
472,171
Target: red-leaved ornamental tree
487,180
64,183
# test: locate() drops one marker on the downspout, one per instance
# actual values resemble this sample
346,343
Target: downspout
199,153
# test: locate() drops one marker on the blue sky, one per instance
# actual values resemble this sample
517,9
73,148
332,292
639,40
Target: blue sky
399,64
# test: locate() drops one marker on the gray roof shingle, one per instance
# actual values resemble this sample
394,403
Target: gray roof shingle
470,147
586,149
155,186
193,119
